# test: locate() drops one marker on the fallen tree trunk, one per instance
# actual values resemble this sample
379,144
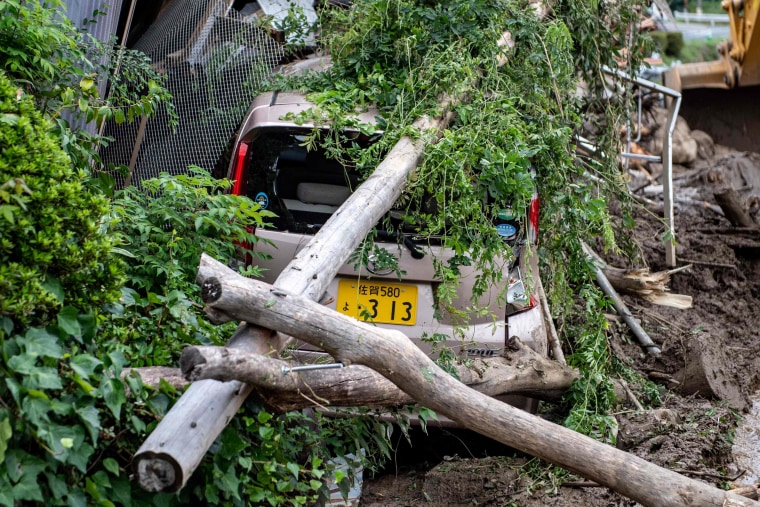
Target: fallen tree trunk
521,371
392,354
730,202
165,462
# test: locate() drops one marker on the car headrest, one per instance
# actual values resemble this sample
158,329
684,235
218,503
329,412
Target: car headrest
322,193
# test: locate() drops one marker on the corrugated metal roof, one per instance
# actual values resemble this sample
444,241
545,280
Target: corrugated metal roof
106,24
102,25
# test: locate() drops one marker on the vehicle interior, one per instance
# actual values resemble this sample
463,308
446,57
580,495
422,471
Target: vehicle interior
305,187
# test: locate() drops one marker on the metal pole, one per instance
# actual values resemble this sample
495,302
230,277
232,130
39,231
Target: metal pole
674,104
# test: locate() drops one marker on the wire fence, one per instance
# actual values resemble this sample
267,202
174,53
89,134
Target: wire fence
215,59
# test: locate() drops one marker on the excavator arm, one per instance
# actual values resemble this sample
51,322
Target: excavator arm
739,64
720,97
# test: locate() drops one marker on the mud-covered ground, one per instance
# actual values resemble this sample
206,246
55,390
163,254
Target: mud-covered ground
689,433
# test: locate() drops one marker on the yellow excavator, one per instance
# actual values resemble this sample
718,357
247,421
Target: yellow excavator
720,97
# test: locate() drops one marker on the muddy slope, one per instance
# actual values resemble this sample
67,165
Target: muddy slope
692,432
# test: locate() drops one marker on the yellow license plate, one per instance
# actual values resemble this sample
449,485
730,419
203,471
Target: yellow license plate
380,302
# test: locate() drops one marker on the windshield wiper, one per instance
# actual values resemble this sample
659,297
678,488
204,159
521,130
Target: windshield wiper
408,243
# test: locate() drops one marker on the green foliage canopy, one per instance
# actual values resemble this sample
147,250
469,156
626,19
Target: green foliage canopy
516,118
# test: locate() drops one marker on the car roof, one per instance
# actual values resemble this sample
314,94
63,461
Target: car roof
269,109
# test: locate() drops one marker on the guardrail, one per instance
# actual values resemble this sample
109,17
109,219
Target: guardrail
691,17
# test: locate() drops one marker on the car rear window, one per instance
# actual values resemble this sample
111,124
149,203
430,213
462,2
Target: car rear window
304,187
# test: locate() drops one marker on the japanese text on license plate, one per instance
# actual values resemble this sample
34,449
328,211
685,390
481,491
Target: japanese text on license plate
380,302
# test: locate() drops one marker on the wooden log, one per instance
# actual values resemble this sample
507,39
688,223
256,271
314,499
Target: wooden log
165,462
153,375
752,492
521,371
392,354
554,344
730,202
700,204
708,372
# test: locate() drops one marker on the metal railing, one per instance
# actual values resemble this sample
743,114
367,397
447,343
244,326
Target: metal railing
711,19
673,107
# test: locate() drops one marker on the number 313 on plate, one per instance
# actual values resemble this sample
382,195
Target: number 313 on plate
379,302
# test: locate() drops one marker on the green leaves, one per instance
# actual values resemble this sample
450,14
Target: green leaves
91,419
85,365
513,135
52,249
42,378
67,321
22,473
113,394
5,433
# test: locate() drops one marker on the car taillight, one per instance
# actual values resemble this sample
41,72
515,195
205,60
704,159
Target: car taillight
240,177
533,210
241,169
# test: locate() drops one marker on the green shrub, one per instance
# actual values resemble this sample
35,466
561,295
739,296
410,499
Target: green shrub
668,43
52,249
674,44
165,226
67,427
699,51
56,266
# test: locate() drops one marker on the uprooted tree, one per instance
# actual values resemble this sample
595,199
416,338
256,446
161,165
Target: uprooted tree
396,358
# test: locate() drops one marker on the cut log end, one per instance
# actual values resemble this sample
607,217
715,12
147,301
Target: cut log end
707,372
190,358
157,474
731,203
211,290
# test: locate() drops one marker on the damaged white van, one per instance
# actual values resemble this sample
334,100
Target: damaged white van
303,187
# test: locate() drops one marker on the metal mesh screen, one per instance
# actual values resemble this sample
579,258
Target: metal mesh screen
215,59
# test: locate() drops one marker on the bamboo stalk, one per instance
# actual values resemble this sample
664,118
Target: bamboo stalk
620,306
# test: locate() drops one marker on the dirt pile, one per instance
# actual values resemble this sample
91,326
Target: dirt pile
692,432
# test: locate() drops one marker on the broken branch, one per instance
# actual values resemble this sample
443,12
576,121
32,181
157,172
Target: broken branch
620,306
